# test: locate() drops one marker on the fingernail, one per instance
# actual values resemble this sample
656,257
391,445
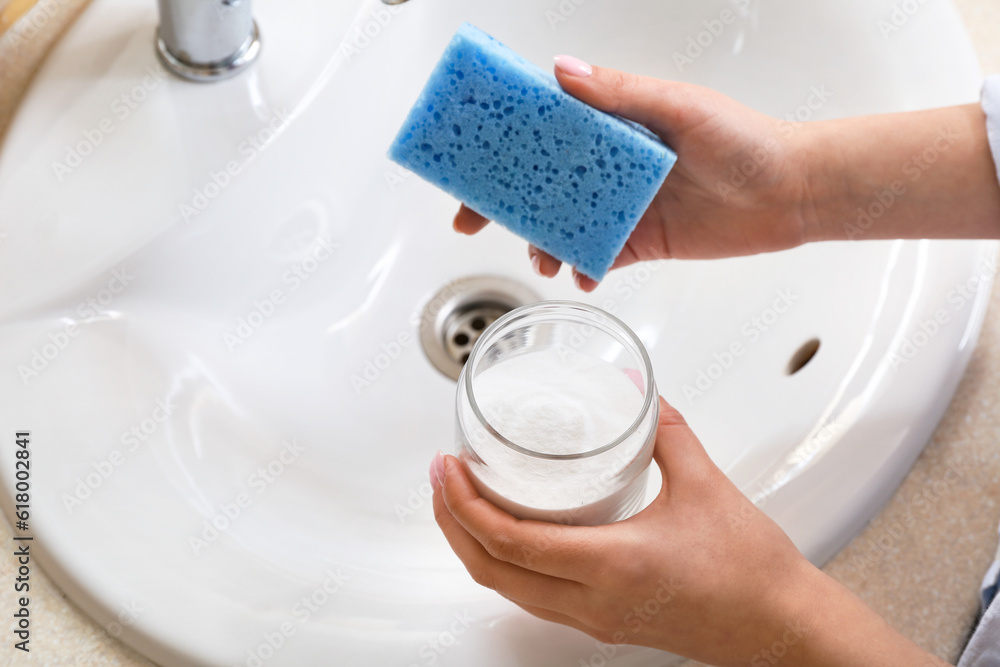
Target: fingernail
536,263
574,66
437,469
636,377
578,279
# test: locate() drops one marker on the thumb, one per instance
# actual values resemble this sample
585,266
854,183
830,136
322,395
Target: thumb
667,108
678,451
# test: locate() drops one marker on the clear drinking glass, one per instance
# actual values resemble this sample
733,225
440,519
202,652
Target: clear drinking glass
592,483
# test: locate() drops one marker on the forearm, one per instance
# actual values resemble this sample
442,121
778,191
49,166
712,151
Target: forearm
921,174
834,628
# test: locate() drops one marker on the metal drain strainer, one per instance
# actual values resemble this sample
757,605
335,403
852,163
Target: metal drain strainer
456,316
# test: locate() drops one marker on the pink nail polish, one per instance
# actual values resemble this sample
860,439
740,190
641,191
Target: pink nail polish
636,377
574,66
437,469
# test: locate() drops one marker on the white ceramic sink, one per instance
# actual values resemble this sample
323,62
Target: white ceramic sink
251,321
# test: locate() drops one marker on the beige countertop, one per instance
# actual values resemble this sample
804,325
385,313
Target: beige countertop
918,564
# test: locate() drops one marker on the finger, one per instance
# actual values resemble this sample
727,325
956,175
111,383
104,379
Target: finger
678,451
668,108
626,257
468,221
635,375
544,264
516,583
648,241
548,548
584,282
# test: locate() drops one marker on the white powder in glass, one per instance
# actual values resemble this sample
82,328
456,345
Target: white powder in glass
556,403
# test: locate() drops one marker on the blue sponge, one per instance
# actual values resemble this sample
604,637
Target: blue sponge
498,133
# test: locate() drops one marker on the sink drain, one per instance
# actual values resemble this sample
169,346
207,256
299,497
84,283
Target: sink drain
455,317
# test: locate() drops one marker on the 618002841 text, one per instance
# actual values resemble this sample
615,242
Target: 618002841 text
22,540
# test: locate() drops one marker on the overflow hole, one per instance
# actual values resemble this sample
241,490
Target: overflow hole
803,356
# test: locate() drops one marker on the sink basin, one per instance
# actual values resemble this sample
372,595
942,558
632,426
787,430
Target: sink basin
210,298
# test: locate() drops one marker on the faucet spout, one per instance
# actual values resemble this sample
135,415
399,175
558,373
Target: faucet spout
206,40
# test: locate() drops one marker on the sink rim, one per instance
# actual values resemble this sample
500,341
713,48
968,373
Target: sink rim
51,566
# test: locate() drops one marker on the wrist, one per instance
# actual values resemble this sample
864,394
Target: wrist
824,184
835,628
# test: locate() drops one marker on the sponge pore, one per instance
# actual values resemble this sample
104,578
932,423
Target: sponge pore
500,134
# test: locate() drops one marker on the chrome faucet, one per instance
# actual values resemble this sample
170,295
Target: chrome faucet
206,40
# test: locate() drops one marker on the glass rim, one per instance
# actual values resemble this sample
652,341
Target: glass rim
630,336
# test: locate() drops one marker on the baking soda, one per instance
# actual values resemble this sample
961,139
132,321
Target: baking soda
555,403
560,402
